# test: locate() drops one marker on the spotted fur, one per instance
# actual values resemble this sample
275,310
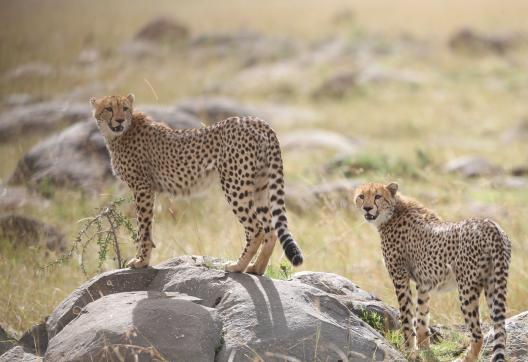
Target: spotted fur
244,151
417,245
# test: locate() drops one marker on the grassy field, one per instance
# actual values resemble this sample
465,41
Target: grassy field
462,107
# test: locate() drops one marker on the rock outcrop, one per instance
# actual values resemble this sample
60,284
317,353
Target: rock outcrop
189,309
22,231
517,338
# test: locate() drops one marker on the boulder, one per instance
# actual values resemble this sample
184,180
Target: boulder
12,198
300,198
340,83
35,340
248,48
213,109
140,326
471,166
124,280
77,157
6,342
19,354
32,69
22,231
352,296
41,117
163,30
315,139
517,338
234,316
517,133
474,42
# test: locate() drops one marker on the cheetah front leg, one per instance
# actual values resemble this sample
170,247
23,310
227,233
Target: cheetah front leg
144,197
422,320
402,287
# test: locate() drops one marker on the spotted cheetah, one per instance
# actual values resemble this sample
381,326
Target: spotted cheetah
243,151
417,245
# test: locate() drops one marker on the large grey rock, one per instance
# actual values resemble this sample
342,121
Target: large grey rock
315,139
140,326
213,109
32,69
248,48
262,318
272,319
12,198
517,133
19,354
356,299
163,30
471,166
340,83
6,342
22,231
517,339
473,42
300,198
35,340
40,117
119,281
77,157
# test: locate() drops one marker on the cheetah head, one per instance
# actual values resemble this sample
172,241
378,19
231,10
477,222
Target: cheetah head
376,201
113,114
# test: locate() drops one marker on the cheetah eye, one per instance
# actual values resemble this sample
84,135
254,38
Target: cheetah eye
109,109
361,196
377,197
125,109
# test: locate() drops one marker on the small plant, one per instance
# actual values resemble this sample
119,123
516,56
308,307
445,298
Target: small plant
283,272
373,319
103,229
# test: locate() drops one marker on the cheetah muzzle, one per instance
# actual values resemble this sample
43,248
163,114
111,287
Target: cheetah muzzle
244,152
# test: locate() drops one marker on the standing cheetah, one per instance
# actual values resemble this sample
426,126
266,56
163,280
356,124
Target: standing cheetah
417,245
244,151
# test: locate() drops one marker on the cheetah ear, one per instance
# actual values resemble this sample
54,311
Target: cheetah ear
393,188
93,101
131,98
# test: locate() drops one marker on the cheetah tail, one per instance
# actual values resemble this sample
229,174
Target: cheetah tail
278,210
501,260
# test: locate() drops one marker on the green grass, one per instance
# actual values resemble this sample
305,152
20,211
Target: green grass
408,133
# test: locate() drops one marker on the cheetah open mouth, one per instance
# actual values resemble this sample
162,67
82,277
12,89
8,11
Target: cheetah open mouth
370,217
117,128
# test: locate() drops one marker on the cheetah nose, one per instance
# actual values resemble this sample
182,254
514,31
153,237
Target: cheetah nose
367,208
120,120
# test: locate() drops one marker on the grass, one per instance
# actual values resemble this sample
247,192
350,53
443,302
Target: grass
408,133
446,349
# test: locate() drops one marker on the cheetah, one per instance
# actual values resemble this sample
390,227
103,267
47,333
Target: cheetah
244,152
418,245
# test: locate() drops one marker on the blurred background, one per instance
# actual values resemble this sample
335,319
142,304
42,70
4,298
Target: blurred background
429,94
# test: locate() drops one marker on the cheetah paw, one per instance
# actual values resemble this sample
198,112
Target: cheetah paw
233,268
254,269
137,263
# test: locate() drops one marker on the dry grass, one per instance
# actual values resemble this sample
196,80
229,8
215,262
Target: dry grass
462,108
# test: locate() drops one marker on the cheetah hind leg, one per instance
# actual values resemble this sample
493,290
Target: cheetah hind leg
261,263
250,250
263,209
